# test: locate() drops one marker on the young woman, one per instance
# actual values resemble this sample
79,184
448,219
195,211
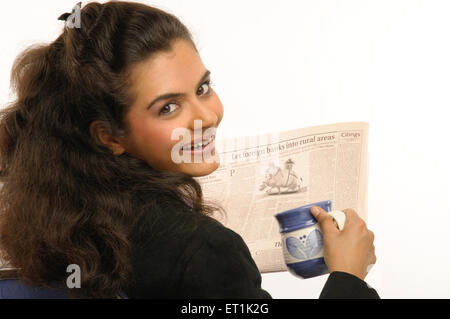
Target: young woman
89,176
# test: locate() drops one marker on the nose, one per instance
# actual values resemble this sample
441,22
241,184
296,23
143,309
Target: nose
203,112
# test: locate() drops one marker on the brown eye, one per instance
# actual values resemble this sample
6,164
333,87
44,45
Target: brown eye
167,109
205,88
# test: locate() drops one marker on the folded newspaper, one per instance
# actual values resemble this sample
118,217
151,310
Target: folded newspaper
262,175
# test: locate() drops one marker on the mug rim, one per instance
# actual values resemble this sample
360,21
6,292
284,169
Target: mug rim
306,219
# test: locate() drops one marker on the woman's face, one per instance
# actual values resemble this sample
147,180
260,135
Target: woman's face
153,119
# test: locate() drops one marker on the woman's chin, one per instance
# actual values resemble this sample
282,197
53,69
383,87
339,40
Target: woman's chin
200,165
199,169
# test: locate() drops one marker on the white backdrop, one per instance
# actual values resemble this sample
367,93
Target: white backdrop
281,65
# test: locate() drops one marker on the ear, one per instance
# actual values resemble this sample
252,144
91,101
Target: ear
100,134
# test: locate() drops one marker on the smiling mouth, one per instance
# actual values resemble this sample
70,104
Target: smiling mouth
198,146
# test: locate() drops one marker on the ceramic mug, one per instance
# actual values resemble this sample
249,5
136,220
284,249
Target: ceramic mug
302,241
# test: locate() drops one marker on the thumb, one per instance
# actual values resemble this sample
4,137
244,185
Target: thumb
325,221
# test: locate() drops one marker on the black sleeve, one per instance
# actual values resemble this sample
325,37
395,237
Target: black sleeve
342,285
222,267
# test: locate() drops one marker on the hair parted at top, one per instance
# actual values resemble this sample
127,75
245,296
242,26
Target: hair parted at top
65,198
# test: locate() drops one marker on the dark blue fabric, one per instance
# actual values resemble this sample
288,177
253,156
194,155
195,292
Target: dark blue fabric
16,289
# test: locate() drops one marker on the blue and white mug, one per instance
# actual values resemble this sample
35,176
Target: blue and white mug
302,240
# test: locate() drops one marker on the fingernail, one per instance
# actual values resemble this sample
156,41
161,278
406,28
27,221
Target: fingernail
315,211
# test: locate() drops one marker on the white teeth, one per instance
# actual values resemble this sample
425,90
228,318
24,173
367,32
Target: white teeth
198,145
208,141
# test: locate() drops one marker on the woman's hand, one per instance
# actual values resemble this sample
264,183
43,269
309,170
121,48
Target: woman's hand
350,250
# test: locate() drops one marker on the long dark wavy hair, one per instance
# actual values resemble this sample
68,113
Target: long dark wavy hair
65,197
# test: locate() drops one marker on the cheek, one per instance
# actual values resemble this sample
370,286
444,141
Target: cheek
153,136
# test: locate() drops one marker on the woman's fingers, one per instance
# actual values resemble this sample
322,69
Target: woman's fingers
325,221
351,250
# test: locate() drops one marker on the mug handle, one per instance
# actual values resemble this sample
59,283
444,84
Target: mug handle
339,217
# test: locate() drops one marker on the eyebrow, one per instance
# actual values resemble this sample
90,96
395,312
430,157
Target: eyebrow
172,95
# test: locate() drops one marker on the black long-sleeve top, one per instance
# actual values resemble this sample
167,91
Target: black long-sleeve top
210,262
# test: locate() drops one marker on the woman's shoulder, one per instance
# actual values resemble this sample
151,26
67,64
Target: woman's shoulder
214,232
209,260
211,237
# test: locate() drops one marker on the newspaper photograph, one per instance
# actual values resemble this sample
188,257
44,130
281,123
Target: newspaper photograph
260,176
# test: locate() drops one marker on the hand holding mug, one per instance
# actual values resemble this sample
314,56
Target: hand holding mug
348,250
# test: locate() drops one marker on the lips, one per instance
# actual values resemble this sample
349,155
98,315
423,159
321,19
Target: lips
202,141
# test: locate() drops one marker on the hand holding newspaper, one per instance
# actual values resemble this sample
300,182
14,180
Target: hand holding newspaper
262,175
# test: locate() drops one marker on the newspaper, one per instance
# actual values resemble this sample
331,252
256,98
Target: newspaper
262,175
